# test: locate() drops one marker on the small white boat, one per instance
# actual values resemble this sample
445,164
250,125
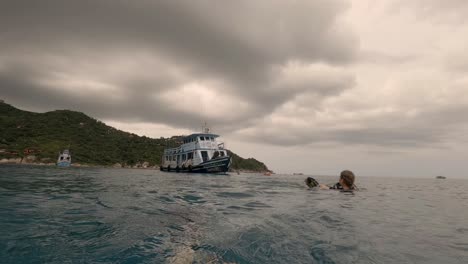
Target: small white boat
199,153
64,159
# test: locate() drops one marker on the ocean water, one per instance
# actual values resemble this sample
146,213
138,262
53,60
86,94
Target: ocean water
91,215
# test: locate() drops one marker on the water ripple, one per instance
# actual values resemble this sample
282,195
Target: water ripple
84,215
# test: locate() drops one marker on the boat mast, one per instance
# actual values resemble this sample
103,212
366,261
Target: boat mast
205,128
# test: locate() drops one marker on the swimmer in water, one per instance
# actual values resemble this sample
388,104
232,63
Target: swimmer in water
345,184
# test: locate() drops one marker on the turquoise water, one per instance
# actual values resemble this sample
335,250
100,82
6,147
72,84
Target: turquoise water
73,215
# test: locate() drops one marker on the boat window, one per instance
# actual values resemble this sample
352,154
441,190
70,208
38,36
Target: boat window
61,158
222,153
215,154
202,138
173,158
184,157
204,155
212,138
190,155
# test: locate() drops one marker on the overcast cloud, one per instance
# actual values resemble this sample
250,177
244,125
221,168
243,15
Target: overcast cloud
377,79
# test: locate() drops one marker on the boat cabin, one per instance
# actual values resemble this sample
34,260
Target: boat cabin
64,156
196,149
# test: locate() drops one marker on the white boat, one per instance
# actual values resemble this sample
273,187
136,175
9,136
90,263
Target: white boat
64,159
199,153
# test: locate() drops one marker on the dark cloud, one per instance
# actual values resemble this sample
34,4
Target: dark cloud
118,59
433,128
234,40
370,136
133,105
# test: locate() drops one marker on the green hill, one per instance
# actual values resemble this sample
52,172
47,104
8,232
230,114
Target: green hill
249,164
91,142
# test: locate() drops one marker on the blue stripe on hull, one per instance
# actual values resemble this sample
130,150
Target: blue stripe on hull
63,164
212,166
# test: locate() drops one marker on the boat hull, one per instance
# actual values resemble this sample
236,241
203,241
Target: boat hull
63,164
220,165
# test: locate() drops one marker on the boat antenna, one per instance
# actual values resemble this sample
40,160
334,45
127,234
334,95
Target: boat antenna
205,128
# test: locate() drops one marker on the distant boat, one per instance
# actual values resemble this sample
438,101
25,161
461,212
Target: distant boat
64,159
298,173
267,173
441,177
199,153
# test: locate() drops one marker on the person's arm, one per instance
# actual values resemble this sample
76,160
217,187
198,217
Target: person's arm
324,187
337,186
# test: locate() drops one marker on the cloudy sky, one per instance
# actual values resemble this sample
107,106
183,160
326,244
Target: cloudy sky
378,87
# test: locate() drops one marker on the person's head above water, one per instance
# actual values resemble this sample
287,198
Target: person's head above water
347,179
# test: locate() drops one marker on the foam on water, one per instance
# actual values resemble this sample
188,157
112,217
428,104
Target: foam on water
81,215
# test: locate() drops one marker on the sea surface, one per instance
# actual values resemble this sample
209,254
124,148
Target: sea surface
97,215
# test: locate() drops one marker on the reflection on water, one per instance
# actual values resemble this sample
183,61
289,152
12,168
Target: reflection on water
69,215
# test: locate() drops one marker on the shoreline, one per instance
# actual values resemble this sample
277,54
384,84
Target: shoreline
75,165
139,166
